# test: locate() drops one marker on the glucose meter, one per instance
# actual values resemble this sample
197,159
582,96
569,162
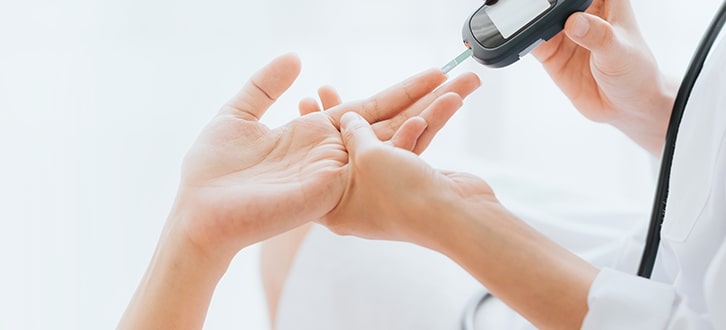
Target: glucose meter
500,34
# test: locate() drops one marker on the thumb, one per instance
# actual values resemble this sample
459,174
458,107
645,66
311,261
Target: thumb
598,36
265,86
357,133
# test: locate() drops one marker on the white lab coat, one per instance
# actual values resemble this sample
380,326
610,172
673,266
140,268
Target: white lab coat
688,290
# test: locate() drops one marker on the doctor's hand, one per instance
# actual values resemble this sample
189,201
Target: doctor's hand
391,193
606,69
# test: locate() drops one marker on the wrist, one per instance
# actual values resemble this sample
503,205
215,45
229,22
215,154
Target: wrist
448,216
176,249
178,285
647,123
181,239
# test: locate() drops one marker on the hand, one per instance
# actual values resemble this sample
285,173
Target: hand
604,66
242,182
435,119
392,194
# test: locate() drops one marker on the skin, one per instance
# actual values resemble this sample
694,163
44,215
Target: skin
243,182
603,65
278,253
458,215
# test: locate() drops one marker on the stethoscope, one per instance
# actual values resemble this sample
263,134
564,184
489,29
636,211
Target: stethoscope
658,213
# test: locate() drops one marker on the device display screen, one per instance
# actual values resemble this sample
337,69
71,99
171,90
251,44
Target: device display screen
491,25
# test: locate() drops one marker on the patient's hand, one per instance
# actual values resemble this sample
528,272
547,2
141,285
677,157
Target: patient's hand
243,182
606,69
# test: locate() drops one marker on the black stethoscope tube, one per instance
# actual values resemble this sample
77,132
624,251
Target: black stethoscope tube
650,251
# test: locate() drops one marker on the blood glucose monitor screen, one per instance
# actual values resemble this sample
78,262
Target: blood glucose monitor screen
511,15
494,23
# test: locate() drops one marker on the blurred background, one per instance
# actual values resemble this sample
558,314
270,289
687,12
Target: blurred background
99,100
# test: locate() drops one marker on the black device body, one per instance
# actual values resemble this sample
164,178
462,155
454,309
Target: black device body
492,49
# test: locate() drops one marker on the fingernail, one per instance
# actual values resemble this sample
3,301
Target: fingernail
580,27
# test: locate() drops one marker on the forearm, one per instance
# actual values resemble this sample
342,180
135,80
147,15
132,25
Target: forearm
539,279
177,288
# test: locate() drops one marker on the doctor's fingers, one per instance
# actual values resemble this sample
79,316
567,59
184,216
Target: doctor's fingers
617,12
357,134
610,45
263,89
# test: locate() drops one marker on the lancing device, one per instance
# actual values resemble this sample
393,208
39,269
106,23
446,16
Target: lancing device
499,33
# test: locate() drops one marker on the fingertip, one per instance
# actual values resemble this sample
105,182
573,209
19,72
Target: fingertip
308,105
326,89
418,125
285,67
265,87
357,133
291,59
577,25
590,32
419,121
436,74
464,84
453,99
328,96
408,134
349,119
474,78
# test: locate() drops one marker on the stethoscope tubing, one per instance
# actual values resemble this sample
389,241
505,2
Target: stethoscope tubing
650,252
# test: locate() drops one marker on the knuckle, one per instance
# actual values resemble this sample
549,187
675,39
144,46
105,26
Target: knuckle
371,106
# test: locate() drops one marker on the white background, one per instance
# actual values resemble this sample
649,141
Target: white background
100,100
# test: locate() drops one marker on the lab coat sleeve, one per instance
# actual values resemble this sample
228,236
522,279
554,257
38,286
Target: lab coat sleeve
621,301
716,288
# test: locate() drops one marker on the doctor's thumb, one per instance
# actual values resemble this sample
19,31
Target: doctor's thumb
594,34
357,133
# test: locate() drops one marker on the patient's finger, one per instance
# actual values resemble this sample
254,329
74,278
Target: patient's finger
263,89
308,105
329,97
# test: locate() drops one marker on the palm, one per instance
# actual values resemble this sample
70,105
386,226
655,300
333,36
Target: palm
241,173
